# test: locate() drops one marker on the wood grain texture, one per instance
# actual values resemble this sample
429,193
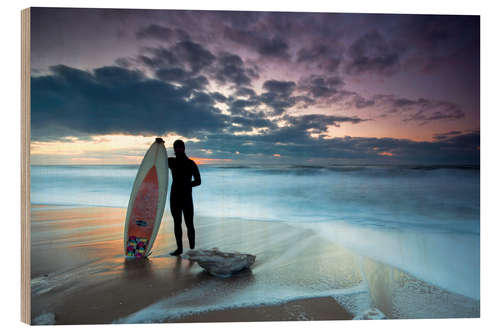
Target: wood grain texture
25,167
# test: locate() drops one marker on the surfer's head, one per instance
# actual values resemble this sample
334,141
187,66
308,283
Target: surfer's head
179,147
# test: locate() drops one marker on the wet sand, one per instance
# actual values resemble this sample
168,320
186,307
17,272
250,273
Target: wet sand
317,308
80,276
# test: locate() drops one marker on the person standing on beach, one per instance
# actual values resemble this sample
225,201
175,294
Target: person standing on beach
181,199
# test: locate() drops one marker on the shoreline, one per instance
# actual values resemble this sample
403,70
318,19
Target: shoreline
100,286
80,275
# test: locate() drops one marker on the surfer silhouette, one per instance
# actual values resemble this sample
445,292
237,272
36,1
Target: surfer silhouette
181,199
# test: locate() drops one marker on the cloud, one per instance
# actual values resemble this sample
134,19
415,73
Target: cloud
302,135
108,75
277,95
180,64
325,56
187,55
245,92
243,106
317,123
295,145
279,87
185,61
159,57
444,136
230,68
198,61
373,54
218,97
468,141
319,86
177,75
117,100
246,124
194,54
419,110
155,31
275,47
162,33
261,42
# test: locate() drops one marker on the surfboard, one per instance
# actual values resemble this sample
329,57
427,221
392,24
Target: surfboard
147,202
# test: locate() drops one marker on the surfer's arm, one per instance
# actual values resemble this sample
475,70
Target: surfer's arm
171,162
196,175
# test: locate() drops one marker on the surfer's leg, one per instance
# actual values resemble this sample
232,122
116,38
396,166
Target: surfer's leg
176,210
188,219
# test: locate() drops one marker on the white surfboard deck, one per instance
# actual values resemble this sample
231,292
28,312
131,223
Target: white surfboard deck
155,157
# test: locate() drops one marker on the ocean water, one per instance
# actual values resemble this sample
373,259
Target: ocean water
421,221
390,197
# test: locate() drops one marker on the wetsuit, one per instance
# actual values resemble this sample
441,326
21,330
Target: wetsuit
181,199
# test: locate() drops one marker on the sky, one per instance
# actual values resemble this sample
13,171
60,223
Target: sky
254,87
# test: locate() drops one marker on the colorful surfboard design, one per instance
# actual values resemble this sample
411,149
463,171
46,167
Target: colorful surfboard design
147,202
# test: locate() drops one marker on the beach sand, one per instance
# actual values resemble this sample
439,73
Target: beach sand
80,276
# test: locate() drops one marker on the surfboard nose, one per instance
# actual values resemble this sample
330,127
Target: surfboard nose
159,140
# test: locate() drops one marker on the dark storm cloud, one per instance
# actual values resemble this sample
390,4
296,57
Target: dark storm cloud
241,123
187,55
174,74
295,145
313,39
196,56
468,141
186,60
372,53
180,64
240,106
218,97
313,53
443,136
327,57
262,42
117,100
276,47
293,139
125,62
299,128
320,86
278,95
243,91
109,75
230,68
159,57
284,88
177,75
155,31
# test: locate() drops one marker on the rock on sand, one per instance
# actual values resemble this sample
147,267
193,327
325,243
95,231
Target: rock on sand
218,263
